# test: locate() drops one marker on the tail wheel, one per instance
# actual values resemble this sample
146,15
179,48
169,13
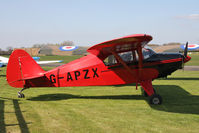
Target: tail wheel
21,95
155,99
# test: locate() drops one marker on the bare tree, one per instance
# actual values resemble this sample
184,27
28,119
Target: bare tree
67,43
39,45
9,49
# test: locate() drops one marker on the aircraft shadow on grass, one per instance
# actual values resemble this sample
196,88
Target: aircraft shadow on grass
178,78
175,99
2,75
21,121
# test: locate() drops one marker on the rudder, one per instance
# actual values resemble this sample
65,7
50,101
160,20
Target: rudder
20,67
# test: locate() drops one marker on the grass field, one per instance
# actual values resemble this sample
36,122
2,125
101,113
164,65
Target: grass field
118,109
65,59
194,60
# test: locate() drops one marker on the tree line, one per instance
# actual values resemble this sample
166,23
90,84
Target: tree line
8,51
64,43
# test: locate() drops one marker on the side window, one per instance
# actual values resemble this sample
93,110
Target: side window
126,57
110,60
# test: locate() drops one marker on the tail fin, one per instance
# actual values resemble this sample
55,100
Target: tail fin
21,66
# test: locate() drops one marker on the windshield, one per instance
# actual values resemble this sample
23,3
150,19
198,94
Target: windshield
147,52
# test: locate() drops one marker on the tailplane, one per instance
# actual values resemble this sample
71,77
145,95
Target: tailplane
22,66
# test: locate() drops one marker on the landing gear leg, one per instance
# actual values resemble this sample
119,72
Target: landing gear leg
20,94
154,98
145,93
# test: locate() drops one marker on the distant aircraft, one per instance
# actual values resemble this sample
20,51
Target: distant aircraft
45,62
4,61
190,46
68,48
131,62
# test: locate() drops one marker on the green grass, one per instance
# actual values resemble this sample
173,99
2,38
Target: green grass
65,59
194,60
111,109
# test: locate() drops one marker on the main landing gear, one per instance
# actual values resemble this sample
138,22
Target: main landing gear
20,94
155,99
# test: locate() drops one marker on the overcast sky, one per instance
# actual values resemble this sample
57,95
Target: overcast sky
87,22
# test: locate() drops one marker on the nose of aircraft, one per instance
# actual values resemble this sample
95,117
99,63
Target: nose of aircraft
186,59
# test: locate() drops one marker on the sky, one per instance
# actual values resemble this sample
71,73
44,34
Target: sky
24,23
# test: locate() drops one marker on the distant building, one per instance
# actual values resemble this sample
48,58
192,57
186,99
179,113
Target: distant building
31,51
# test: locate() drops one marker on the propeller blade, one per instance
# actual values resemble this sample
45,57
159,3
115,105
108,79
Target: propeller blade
185,54
186,50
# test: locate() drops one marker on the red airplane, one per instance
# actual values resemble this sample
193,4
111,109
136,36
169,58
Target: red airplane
119,61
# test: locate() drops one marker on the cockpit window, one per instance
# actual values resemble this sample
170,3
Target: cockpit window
126,57
129,57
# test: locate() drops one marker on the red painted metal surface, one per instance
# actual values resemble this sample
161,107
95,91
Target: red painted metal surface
22,66
127,43
147,86
90,70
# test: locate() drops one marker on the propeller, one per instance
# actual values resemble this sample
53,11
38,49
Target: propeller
186,50
185,55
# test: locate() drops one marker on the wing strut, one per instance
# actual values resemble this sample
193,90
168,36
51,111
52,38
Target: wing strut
140,65
140,62
139,50
125,65
122,62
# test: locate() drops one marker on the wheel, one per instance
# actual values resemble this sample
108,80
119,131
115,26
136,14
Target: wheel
21,95
155,99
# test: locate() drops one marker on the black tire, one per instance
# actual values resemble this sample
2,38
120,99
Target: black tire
21,95
155,99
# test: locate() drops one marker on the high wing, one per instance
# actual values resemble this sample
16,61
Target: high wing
47,62
127,43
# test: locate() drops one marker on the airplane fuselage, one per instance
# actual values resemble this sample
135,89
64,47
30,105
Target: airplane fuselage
96,73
